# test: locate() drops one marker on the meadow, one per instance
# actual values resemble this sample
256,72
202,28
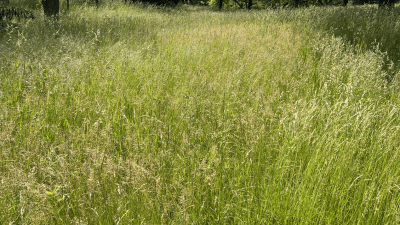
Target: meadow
136,114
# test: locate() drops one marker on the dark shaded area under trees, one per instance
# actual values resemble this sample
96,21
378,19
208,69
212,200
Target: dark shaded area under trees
52,7
157,2
248,4
9,12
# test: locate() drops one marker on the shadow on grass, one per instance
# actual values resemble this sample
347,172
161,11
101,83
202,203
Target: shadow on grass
366,27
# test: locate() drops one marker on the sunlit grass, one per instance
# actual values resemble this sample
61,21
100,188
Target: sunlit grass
136,114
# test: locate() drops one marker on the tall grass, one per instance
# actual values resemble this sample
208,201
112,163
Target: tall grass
366,27
133,114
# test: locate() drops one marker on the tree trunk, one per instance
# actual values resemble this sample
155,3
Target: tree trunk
345,2
67,4
51,7
250,4
220,4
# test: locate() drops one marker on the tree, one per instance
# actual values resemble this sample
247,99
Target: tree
51,7
250,4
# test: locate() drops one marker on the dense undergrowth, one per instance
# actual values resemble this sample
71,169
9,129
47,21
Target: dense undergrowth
136,114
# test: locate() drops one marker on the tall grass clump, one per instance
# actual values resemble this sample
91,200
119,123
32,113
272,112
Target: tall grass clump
365,26
139,114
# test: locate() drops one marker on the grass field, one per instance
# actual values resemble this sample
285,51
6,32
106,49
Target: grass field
132,114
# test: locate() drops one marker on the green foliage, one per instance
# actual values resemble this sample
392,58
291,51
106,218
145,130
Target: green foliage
215,3
140,114
8,13
29,4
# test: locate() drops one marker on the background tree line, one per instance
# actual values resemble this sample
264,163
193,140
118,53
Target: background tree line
52,7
